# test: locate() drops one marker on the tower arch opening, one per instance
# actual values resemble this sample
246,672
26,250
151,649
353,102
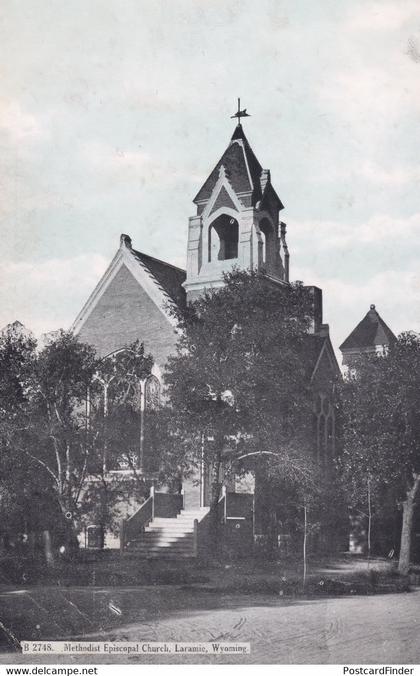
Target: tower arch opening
266,243
223,238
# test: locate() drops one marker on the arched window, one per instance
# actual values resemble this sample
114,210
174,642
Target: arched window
267,243
223,238
321,439
330,437
152,393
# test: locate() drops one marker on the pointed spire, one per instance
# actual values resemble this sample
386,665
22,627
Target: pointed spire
239,133
246,175
372,331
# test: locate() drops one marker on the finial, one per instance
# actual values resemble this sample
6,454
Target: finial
240,113
125,240
372,307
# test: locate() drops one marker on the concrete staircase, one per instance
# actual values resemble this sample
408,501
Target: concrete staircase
169,537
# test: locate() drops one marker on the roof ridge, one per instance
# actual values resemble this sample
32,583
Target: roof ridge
157,260
243,143
157,282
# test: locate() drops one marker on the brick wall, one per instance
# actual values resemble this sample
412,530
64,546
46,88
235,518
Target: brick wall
124,313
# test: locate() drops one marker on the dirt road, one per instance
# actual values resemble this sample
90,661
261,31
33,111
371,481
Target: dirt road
357,629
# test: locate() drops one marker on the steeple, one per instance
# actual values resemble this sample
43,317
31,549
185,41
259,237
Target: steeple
237,220
371,335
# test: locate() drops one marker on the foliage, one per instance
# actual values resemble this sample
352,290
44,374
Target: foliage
17,358
381,427
54,439
239,382
54,425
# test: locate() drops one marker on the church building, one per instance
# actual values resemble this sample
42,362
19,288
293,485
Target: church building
236,224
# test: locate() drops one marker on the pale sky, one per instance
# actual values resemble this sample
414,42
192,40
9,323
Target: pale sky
113,113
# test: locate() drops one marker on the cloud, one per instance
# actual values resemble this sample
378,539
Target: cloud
17,124
48,295
134,164
339,235
382,16
115,159
370,96
372,83
387,175
396,176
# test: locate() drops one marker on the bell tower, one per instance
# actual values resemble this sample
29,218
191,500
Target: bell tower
237,221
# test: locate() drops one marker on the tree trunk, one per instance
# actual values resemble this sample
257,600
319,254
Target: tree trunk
214,503
305,537
71,527
407,524
369,522
48,550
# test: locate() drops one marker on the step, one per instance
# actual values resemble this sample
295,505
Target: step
172,522
199,514
163,554
151,545
171,557
149,542
161,545
165,541
178,519
170,532
164,550
156,536
167,529
171,526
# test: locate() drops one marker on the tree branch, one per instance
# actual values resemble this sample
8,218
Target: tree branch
44,464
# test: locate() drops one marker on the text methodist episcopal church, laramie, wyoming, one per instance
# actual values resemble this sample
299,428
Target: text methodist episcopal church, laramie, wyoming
236,224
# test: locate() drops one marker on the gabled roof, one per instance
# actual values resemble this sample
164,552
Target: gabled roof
168,276
369,333
243,170
161,281
316,347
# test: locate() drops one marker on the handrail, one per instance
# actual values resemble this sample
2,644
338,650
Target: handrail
203,527
163,505
195,538
223,499
230,506
137,521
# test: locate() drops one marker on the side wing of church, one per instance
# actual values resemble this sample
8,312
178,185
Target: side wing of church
133,301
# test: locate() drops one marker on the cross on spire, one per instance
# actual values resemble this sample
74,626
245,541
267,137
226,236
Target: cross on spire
240,113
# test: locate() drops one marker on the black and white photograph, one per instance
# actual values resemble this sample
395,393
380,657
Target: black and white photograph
210,334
